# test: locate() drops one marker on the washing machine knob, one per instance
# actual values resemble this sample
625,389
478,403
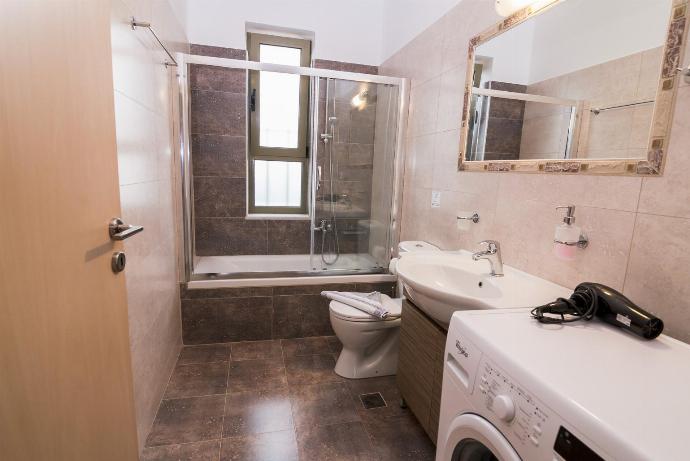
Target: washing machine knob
504,407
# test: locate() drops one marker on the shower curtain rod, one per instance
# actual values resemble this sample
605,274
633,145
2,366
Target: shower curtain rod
147,25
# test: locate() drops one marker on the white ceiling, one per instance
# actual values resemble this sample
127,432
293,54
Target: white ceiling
361,31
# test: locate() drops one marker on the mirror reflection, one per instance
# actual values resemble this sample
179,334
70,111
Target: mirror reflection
577,81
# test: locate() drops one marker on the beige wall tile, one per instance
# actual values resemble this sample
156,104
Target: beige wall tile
518,209
659,268
145,157
424,107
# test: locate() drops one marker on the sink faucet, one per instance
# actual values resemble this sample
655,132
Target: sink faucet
493,255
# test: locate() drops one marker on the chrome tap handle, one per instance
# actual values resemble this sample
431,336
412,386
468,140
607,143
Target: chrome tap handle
493,246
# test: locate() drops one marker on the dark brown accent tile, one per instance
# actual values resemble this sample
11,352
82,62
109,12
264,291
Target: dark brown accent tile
197,380
213,78
504,86
272,446
217,51
187,420
322,404
361,154
218,197
299,316
346,66
337,442
209,321
400,439
241,292
312,289
317,345
311,369
230,236
199,451
253,375
214,112
503,135
335,346
256,412
219,155
363,125
204,354
289,237
507,108
256,350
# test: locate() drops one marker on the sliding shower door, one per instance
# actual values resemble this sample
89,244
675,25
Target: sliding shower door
354,174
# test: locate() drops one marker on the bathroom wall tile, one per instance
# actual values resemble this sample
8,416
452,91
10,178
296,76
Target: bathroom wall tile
240,292
187,420
214,112
217,197
217,52
207,321
670,194
213,78
322,404
650,70
342,441
217,155
312,289
256,350
299,316
289,237
503,136
386,288
345,66
137,160
198,451
420,161
424,107
451,91
257,412
269,446
658,280
234,236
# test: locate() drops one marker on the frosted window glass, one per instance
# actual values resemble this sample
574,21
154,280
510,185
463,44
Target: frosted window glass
279,102
277,184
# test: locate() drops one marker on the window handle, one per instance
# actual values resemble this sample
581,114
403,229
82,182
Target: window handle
252,101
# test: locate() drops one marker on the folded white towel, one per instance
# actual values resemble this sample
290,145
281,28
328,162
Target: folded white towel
370,303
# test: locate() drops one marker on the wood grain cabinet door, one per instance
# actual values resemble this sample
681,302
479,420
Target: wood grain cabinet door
65,374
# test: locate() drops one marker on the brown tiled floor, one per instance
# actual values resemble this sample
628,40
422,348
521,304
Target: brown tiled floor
278,400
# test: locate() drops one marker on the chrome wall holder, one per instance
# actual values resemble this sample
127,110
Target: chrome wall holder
474,218
582,243
147,25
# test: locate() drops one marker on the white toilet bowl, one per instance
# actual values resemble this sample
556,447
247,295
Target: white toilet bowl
370,346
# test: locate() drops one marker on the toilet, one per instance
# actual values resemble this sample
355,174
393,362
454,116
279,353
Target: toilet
370,345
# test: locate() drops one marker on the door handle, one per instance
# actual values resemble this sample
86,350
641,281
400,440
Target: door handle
118,230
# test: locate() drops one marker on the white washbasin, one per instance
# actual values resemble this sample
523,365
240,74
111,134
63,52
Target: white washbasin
441,283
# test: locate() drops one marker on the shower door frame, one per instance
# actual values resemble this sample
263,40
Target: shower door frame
186,179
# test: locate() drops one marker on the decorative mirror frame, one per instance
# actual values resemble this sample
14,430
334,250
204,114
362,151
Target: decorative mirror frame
661,121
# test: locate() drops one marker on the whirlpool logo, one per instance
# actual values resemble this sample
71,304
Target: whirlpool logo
461,349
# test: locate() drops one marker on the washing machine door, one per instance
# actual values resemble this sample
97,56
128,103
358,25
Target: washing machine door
472,438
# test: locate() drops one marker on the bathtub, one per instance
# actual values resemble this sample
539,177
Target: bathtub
284,270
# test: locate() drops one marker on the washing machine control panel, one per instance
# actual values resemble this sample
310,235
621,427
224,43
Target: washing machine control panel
524,420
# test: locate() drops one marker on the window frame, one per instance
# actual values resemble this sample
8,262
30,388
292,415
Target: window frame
255,152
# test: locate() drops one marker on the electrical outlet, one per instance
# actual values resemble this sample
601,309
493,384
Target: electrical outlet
435,199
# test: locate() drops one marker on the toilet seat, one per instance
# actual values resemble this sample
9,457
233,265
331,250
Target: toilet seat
351,314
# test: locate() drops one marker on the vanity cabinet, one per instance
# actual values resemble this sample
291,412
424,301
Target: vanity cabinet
420,366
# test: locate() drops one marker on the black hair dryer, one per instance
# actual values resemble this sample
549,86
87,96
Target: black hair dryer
594,299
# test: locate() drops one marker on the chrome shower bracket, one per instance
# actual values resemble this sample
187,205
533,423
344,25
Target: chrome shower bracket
582,243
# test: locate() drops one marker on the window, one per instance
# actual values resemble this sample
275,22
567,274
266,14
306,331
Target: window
278,128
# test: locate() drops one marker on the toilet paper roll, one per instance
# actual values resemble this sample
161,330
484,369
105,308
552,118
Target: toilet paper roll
392,266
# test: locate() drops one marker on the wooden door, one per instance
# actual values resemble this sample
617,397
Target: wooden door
65,376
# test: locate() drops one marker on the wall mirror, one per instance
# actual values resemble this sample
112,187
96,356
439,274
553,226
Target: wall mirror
574,86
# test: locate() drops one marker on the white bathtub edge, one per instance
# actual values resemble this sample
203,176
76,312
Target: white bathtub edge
289,281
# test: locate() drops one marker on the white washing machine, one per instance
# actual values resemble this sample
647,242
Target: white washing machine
517,390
